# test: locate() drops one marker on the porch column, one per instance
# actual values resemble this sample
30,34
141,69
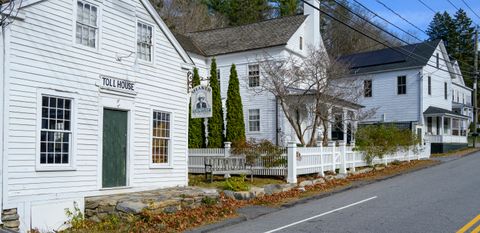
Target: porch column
345,125
451,126
441,125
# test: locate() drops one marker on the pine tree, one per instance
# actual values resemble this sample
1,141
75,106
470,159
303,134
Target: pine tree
457,34
196,128
287,7
215,123
235,122
240,12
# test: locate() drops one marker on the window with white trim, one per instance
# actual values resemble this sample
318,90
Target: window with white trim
254,120
144,41
161,137
254,75
87,24
56,131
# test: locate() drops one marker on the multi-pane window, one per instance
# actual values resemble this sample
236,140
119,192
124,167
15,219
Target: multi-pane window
144,41
253,75
161,137
56,131
219,78
254,120
429,85
402,85
87,26
367,86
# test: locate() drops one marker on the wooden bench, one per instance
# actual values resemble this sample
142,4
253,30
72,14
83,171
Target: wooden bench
224,166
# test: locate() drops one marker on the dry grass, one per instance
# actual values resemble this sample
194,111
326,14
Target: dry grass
461,152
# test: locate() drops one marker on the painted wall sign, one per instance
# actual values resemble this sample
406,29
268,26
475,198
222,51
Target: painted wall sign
115,84
201,101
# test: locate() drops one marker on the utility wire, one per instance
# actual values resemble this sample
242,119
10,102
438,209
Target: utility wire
468,6
398,49
427,6
390,9
385,31
451,3
387,21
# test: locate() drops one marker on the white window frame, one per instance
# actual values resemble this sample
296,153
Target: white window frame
248,75
169,163
259,121
98,28
398,86
71,165
152,61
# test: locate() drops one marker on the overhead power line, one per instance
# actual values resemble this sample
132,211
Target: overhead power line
398,49
387,21
427,6
387,32
470,8
451,3
390,9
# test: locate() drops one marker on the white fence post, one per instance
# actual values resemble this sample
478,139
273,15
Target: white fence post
322,163
292,162
228,148
343,157
334,163
354,155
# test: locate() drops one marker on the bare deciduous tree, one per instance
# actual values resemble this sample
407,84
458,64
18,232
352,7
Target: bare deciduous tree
8,11
309,90
184,16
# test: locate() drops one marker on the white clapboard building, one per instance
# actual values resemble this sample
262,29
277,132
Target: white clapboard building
93,100
418,87
246,46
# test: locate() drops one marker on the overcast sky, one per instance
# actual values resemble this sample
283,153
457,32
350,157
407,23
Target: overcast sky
419,14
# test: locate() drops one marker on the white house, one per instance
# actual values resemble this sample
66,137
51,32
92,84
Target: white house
94,101
245,46
416,87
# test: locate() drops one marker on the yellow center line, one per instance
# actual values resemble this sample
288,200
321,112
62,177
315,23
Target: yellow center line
476,230
470,224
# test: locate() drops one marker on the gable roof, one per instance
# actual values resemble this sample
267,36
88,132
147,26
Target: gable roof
264,34
154,14
408,56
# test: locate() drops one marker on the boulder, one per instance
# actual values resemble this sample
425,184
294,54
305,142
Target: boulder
242,195
305,183
257,192
318,181
288,187
272,189
131,207
11,224
10,217
229,194
9,211
341,176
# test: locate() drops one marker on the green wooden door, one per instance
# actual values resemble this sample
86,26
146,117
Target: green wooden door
114,172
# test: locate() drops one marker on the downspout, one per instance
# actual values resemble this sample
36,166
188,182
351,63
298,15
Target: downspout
420,108
2,152
277,128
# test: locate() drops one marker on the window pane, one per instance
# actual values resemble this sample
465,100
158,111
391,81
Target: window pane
55,134
161,134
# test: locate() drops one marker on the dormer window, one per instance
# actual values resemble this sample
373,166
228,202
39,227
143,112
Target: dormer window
87,25
144,41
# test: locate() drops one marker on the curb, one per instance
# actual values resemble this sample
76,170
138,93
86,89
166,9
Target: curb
354,185
219,225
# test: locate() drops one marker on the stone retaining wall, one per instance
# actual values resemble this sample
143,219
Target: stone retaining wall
164,200
10,219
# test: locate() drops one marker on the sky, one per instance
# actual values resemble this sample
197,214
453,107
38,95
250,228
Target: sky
418,14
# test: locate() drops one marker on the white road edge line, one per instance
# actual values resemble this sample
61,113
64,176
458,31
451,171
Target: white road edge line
322,214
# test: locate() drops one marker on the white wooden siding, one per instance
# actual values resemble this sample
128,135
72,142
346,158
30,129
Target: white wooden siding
43,56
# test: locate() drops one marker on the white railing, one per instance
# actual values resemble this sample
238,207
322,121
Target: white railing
446,139
306,160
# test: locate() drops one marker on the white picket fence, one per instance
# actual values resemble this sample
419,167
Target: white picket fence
308,160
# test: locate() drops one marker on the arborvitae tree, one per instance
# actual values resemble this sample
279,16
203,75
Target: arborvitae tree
235,122
196,128
215,123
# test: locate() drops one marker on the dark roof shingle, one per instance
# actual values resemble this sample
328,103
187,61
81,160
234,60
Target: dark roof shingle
258,35
414,55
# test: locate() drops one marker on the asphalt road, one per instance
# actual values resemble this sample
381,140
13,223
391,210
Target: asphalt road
442,198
